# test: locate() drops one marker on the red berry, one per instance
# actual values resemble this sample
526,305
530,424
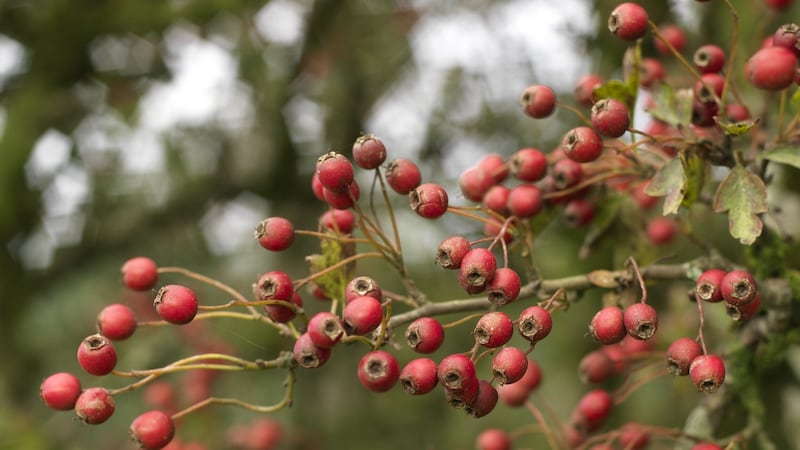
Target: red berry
419,377
325,329
610,118
566,173
281,313
528,164
514,394
584,90
493,439
152,430
706,446
274,285
362,315
339,220
596,367
672,34
709,87
335,171
60,390
496,199
592,410
741,313
97,355
525,200
703,116
652,72
628,21
737,112
738,287
309,355
474,183
428,200
425,335
786,36
641,321
493,329
578,213
369,152
608,326
707,373
316,187
534,323
139,274
583,144
275,233
464,396
116,322
161,394
533,376
176,304
641,198
778,4
378,371
661,230
709,58
261,434
362,286
94,406
477,270
495,165
707,287
771,68
509,365
680,354
456,371
403,176
634,436
505,286
485,401
538,101
451,252
343,199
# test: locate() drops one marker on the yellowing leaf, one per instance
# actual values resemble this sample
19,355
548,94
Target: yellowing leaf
669,182
736,128
744,195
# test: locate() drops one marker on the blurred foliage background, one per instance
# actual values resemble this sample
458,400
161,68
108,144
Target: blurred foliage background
170,128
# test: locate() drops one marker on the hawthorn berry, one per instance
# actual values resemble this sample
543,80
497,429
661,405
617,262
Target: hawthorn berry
428,200
60,390
94,406
477,270
378,371
325,329
738,287
339,220
495,165
538,101
493,439
672,34
707,373
514,394
403,176
419,376
634,436
772,68
275,233
707,287
496,199
786,36
451,252
475,182
584,90
778,4
343,199
362,286
578,213
282,313
706,446
484,402
456,371
534,323
709,58
652,72
709,87
309,355
317,188
628,21
335,171
425,335
97,355
176,304
661,230
274,285
741,313
737,112
509,365
139,274
566,173
462,397
528,164
504,287
362,315
152,430
116,322
610,118
641,321
369,152
608,325
596,367
680,354
525,200
592,410
493,329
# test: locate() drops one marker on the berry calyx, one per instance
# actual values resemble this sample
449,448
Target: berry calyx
378,371
97,355
425,335
456,371
452,251
428,200
707,287
325,329
505,286
538,101
534,323
738,287
493,329
309,355
509,365
362,286
275,234
477,270
369,152
680,354
707,373
176,304
641,321
709,58
152,430
419,376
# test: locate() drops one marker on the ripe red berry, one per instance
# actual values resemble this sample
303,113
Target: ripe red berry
584,90
325,329
583,144
94,406
652,72
592,410
634,436
628,21
528,164
741,313
578,213
738,287
641,321
335,171
706,446
737,112
456,371
464,396
475,182
707,287
451,252
339,220
362,286
680,354
378,371
493,329
778,4
709,87
786,36
176,304
97,355
343,199
672,34
274,285
514,394
661,230
362,315
419,376
566,173
644,200
261,434
596,367
533,376
281,313
534,323
403,176
495,165
608,326
139,274
116,322
525,200
425,335
484,402
707,373
509,365
309,355
493,439
60,390
496,199
369,152
772,68
610,118
538,101
275,233
505,286
316,187
477,270
709,58
428,200
152,430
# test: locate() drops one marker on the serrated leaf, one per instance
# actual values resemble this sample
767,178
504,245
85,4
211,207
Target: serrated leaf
617,90
784,155
671,106
695,169
669,182
736,128
744,195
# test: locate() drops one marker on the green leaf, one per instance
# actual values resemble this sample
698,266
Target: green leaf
736,128
617,90
784,155
695,169
669,182
744,195
671,106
